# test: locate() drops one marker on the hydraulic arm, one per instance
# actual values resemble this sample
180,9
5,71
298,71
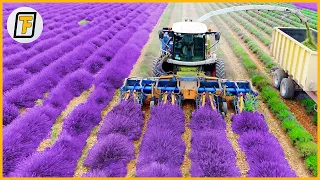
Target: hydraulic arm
254,7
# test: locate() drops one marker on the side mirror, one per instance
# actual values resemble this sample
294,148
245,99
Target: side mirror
160,34
217,36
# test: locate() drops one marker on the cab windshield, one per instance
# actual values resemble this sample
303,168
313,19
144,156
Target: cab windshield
189,47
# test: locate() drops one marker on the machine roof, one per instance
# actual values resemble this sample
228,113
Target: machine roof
189,27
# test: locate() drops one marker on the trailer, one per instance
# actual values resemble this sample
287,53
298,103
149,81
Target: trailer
297,64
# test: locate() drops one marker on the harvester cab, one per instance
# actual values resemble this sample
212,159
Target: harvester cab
186,50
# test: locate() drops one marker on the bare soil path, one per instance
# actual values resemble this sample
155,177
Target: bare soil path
188,108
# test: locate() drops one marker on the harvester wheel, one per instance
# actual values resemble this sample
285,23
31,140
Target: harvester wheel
220,73
157,67
278,75
287,88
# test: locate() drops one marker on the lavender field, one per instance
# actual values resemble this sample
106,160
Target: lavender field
63,115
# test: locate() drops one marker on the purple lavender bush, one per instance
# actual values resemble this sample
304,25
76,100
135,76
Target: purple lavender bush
167,116
263,151
162,144
58,161
251,139
80,122
113,148
14,78
212,155
270,169
118,169
122,124
126,118
128,107
70,87
156,169
10,112
22,137
205,118
248,121
101,96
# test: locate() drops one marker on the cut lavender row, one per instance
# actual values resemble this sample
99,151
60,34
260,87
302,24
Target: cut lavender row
212,154
263,151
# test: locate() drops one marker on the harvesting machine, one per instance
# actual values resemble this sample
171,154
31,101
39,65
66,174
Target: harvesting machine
188,67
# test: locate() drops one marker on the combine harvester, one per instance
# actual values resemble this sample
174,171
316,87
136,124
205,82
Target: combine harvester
188,67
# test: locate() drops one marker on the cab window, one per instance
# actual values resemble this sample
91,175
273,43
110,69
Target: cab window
189,47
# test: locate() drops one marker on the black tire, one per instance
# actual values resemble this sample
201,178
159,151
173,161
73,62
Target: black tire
278,75
157,68
287,88
220,73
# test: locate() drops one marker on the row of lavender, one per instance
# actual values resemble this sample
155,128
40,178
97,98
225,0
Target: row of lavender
115,145
162,149
212,154
263,151
50,66
20,144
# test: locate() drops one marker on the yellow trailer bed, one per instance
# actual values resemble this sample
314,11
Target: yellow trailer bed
297,63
